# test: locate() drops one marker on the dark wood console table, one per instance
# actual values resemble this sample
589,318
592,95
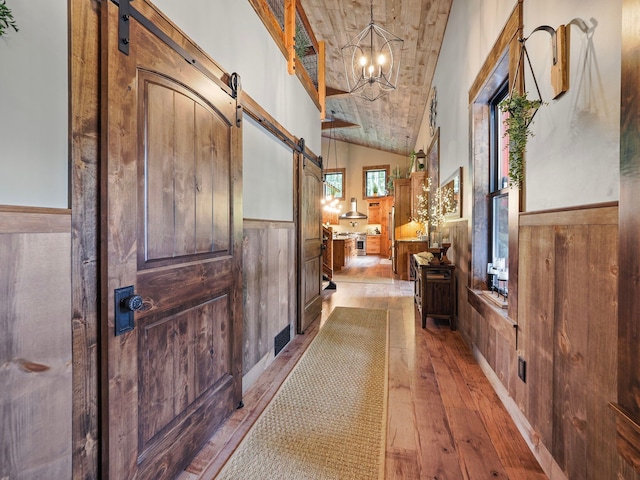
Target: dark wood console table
434,290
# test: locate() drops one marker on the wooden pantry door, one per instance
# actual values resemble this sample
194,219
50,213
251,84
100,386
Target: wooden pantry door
172,234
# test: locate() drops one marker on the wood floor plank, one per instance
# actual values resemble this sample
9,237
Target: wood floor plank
401,464
444,419
477,455
438,456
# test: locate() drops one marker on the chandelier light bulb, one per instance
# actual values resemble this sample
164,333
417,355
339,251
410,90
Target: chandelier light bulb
381,59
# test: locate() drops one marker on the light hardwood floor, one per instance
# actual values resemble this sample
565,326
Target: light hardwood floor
444,419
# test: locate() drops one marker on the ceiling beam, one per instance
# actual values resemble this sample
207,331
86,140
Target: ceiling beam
335,123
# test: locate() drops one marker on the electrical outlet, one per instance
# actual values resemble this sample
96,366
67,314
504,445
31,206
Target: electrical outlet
522,369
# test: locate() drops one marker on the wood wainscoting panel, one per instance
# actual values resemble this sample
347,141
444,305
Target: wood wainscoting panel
35,343
567,315
269,287
537,257
567,335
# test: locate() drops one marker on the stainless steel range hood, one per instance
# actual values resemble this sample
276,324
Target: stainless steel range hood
353,213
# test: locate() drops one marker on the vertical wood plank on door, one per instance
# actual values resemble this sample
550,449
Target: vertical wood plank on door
218,315
184,367
159,167
157,378
184,176
203,360
204,175
222,188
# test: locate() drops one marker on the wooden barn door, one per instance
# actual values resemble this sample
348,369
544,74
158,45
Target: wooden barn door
171,244
310,242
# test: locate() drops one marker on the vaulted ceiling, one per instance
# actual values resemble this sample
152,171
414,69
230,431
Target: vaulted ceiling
390,123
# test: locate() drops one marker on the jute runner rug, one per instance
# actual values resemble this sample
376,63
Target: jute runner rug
328,420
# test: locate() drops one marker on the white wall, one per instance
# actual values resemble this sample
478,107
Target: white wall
264,154
573,157
34,159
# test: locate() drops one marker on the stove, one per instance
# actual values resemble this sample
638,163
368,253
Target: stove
361,244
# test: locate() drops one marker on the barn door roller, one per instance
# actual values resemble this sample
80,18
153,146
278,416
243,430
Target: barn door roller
123,26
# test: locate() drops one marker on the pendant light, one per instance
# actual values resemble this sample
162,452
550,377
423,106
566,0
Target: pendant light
329,202
372,61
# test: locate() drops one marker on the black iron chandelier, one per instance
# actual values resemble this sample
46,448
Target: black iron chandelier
372,61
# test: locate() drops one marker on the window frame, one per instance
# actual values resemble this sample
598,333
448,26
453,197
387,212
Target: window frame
499,66
372,168
330,171
498,184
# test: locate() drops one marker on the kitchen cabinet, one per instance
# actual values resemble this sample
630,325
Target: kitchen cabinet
327,252
343,251
403,227
403,252
434,290
373,212
385,224
373,244
330,218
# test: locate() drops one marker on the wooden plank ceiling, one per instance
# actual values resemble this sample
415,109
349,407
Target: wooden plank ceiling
390,123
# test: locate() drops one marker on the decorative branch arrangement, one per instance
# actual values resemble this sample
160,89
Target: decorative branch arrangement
521,111
442,203
6,19
422,209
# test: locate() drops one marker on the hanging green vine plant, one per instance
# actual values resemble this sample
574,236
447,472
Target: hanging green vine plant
521,111
6,19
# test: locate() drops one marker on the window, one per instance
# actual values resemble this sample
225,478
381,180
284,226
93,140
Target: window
493,200
334,182
374,181
498,251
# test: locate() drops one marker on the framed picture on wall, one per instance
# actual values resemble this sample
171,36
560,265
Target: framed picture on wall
453,188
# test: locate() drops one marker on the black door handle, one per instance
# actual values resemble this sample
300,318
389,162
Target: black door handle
132,303
126,302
